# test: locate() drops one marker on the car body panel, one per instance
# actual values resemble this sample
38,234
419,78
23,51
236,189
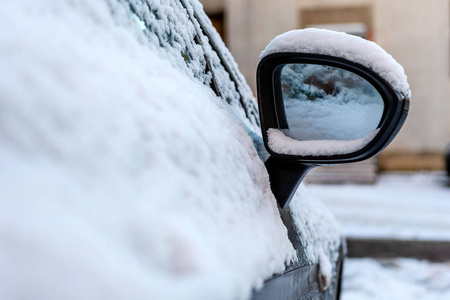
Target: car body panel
301,277
124,175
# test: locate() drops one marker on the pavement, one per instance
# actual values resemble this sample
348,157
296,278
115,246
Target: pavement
394,279
401,215
399,206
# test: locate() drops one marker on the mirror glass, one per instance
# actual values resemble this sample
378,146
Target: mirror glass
328,103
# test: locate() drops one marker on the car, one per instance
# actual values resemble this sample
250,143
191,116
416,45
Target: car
137,164
447,160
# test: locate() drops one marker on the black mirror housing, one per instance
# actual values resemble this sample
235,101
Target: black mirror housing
287,170
271,109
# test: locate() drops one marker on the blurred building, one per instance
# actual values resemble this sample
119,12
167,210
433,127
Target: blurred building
415,32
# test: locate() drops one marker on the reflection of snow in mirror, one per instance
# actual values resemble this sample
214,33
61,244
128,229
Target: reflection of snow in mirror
283,144
327,103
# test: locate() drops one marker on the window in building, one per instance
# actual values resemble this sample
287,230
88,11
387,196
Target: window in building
352,20
218,22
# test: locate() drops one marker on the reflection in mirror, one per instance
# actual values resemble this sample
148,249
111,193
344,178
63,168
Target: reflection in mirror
328,103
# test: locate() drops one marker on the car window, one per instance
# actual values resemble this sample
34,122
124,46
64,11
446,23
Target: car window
189,40
226,66
167,24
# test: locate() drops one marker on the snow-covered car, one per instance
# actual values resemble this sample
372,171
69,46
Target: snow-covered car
447,159
134,165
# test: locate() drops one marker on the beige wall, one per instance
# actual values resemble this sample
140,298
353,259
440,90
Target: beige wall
213,6
251,25
415,32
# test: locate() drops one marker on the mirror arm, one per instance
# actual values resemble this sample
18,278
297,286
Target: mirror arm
285,177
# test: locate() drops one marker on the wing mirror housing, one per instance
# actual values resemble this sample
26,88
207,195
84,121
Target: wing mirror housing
326,98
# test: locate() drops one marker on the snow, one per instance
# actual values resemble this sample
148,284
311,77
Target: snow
325,271
338,44
401,206
188,49
400,278
318,231
247,101
122,175
280,143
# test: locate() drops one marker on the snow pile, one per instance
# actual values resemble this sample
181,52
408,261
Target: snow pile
318,232
353,48
122,177
401,278
280,143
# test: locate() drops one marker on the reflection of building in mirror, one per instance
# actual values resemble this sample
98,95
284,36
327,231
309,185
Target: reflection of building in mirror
347,105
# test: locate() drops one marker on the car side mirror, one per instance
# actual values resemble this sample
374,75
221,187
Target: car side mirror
326,98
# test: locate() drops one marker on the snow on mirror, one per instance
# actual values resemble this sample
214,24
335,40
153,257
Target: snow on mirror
337,109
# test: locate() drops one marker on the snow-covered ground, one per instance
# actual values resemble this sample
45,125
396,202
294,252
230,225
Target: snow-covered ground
394,279
399,205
